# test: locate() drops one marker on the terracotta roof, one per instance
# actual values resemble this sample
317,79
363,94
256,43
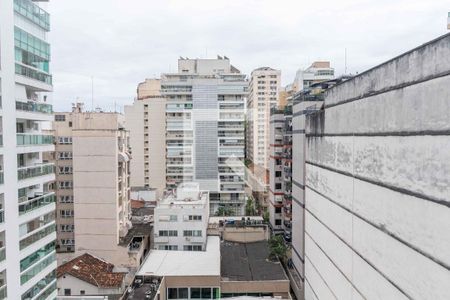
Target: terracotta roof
92,270
137,203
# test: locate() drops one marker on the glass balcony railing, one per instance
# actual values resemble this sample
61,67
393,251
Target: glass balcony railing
24,139
48,283
2,179
2,215
33,271
1,140
37,236
32,106
35,203
33,74
2,253
33,12
35,171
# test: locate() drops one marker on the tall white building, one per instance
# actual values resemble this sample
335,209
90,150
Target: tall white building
27,228
181,219
205,129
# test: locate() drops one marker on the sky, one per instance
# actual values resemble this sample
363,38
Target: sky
105,48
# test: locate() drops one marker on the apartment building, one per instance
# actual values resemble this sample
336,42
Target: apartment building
280,163
145,119
93,189
377,182
263,93
205,129
27,204
181,219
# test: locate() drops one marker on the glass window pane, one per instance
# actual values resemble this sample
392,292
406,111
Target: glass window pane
183,293
206,293
195,293
172,293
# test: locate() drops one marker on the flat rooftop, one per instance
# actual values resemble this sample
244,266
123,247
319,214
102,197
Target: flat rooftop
248,262
184,263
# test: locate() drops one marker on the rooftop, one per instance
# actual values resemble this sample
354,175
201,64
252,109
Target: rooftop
248,262
186,193
184,263
138,230
92,270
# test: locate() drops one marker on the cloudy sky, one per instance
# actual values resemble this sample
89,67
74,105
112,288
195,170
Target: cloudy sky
120,43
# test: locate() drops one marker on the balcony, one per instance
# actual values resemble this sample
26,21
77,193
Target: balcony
33,13
35,171
24,139
2,179
32,106
33,74
2,253
37,202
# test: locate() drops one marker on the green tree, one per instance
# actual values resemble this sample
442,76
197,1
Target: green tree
250,207
277,248
266,215
224,212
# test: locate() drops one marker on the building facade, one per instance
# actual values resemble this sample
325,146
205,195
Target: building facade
27,215
181,219
146,122
263,94
205,129
377,182
93,186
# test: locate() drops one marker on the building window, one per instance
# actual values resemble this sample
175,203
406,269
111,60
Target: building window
67,242
66,199
66,213
168,247
67,140
82,292
173,218
178,293
60,118
168,233
278,186
67,227
65,185
65,155
277,173
277,222
278,210
67,292
65,170
192,233
194,218
192,248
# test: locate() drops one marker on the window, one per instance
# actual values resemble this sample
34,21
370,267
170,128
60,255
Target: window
67,242
278,186
168,247
60,118
177,293
277,222
67,292
168,233
65,170
66,199
64,155
67,227
192,248
195,293
194,218
278,210
82,292
192,233
173,218
65,140
206,293
66,213
65,185
277,173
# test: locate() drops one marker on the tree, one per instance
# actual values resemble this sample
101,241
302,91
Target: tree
266,216
250,207
277,248
224,212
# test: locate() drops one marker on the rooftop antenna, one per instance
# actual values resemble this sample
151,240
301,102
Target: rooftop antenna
345,62
92,93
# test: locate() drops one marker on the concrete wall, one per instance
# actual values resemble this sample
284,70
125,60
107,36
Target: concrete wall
378,183
245,234
76,285
277,287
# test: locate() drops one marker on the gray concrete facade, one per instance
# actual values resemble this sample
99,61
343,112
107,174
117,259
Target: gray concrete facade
377,182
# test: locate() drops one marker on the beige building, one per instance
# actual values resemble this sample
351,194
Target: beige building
145,120
93,188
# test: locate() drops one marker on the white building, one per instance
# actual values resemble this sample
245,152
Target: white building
205,129
27,222
146,121
181,219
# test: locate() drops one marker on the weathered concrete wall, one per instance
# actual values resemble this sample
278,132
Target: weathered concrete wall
377,189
